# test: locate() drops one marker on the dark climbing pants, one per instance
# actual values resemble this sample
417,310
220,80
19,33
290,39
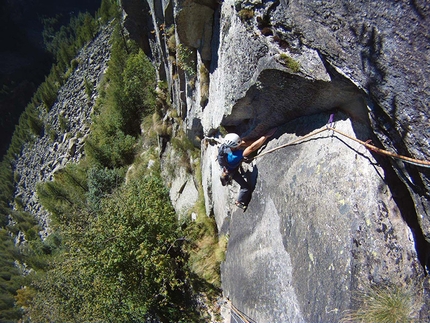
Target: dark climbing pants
245,188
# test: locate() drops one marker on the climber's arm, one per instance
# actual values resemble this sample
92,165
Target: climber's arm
258,143
254,146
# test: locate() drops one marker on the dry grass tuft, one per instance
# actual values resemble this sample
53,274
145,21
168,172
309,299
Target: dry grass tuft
289,62
383,304
246,14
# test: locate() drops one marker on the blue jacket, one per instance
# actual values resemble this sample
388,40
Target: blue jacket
234,158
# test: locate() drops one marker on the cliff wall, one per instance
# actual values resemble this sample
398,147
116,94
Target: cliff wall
328,216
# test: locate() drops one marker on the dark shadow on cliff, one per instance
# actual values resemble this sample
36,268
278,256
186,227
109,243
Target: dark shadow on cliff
138,23
386,126
201,285
251,177
405,203
215,40
278,97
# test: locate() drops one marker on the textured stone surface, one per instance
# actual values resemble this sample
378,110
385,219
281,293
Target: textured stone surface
257,262
194,26
325,199
384,49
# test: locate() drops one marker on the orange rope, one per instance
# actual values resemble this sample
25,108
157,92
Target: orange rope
423,163
413,161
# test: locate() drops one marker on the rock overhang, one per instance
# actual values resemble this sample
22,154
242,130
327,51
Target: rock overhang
278,97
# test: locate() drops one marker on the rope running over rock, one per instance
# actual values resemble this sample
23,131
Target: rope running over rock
413,161
237,316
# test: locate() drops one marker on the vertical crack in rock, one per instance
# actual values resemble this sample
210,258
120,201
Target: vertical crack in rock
404,201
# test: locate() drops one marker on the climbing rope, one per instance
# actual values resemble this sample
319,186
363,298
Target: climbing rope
413,161
290,143
237,316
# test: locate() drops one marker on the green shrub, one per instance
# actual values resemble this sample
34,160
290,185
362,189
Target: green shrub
127,264
10,278
85,30
184,147
128,99
48,93
6,190
108,9
112,151
139,91
119,53
55,198
74,64
88,88
171,44
35,124
63,122
66,194
101,183
186,59
51,132
23,221
171,39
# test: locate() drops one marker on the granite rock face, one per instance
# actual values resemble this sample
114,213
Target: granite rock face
328,216
325,202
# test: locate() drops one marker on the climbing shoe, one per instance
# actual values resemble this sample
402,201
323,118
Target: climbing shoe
241,205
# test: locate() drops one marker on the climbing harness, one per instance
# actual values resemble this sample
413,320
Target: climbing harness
330,126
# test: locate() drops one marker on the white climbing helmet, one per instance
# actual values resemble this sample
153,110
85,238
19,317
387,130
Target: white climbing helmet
232,140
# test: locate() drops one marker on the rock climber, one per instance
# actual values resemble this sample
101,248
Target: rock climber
237,150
